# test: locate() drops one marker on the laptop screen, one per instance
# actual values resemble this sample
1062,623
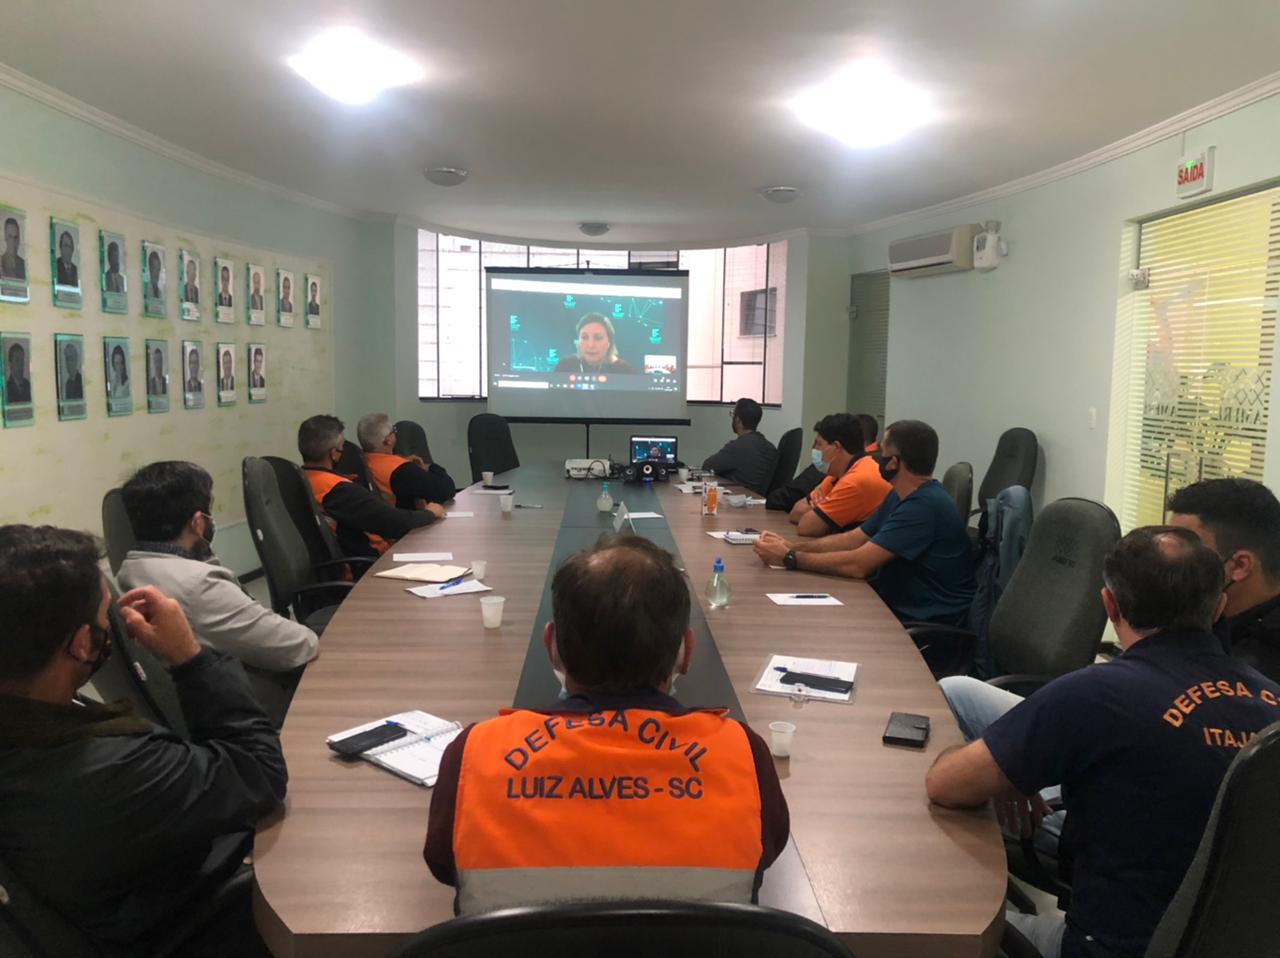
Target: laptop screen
654,449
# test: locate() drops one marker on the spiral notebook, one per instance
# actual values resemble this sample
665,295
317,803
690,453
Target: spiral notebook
415,757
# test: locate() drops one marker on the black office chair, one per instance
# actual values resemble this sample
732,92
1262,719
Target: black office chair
292,579
117,529
1049,620
300,502
1226,905
673,929
134,674
788,459
1013,464
353,466
958,481
489,445
411,440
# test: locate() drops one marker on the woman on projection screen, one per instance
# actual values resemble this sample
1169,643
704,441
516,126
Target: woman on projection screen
596,350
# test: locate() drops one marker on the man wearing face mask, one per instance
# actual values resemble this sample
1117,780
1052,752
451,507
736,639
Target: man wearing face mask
580,799
853,488
1240,520
913,550
119,825
169,506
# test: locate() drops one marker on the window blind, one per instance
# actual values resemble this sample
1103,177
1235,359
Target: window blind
869,343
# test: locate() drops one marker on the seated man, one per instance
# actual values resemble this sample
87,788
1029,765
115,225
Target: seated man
574,801
914,550
870,431
118,825
365,525
1240,520
169,506
853,488
750,458
1139,744
405,482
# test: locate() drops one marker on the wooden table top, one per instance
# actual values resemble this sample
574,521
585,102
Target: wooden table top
340,868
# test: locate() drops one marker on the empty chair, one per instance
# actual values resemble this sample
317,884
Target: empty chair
674,929
117,529
411,440
1225,907
300,502
788,459
352,465
489,445
958,481
1013,464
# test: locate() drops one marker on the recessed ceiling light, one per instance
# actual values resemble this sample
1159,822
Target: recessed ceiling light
594,229
779,194
353,68
446,175
865,105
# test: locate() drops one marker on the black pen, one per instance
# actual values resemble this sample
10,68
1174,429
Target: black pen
822,595
528,505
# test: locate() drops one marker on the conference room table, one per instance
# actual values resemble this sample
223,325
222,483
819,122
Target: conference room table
340,869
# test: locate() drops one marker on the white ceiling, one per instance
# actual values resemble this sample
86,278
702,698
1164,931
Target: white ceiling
661,117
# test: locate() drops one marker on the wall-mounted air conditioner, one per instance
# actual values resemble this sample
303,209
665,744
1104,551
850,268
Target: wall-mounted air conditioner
947,252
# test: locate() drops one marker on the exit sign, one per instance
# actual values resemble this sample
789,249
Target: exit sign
1195,174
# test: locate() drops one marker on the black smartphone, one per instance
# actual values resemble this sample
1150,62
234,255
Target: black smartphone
497,486
823,683
907,729
353,746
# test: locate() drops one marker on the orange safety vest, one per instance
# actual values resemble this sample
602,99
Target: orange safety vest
381,467
627,803
322,483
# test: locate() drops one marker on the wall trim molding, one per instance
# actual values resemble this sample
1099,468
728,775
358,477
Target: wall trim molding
1183,122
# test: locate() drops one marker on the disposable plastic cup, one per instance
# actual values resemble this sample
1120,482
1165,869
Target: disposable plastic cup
507,502
491,610
477,568
780,736
487,478
683,473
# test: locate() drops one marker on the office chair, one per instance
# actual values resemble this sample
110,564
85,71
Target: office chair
640,929
489,445
411,440
117,529
292,578
958,481
1012,464
788,459
300,502
353,466
1226,905
1049,620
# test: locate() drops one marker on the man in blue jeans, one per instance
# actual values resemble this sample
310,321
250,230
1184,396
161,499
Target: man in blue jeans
1139,745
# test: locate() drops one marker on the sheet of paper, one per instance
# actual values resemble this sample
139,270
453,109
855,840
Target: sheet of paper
422,557
735,538
620,518
646,515
770,680
803,598
751,501
717,535
424,572
481,491
460,515
462,588
688,488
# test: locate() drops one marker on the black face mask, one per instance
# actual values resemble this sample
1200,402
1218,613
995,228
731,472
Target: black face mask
102,648
887,474
210,527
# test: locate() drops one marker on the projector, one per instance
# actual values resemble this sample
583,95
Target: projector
586,469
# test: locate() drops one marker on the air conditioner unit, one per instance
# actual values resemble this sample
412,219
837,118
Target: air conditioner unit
947,252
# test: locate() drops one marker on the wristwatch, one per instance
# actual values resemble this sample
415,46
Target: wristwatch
789,560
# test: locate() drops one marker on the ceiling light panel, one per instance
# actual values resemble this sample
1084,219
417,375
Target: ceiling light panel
351,67
865,105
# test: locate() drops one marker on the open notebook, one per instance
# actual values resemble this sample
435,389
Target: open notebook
417,755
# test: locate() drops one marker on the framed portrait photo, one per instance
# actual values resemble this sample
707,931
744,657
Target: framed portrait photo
64,242
226,373
189,285
192,374
115,285
154,280
257,365
224,271
157,353
68,368
255,294
119,375
313,287
15,374
284,297
14,284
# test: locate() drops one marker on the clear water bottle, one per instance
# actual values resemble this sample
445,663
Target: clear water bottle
604,501
718,590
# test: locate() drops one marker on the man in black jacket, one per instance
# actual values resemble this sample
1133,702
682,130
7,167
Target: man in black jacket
120,826
750,458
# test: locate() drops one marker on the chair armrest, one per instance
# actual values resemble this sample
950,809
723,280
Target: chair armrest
178,939
947,649
345,560
1022,685
1039,876
310,597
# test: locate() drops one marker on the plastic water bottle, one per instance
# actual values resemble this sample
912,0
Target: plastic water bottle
718,590
604,501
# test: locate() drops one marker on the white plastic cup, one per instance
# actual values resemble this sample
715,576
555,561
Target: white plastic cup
477,568
683,473
491,610
507,501
780,736
486,478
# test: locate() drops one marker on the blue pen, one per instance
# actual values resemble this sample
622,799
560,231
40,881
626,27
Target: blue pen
458,581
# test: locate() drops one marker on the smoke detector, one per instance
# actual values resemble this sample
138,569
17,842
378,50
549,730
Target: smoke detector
780,194
594,229
446,175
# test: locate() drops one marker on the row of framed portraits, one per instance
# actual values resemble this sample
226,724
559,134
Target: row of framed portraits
287,299
120,379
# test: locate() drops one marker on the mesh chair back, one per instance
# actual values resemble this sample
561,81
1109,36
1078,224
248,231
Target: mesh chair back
788,459
1014,464
411,440
30,927
1050,618
117,530
283,553
1226,905
958,481
352,465
630,930
298,499
489,445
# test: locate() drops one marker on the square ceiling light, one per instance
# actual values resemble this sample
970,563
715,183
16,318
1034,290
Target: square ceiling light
345,64
865,105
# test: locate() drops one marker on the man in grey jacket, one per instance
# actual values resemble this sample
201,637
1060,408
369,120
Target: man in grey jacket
750,458
122,827
169,507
